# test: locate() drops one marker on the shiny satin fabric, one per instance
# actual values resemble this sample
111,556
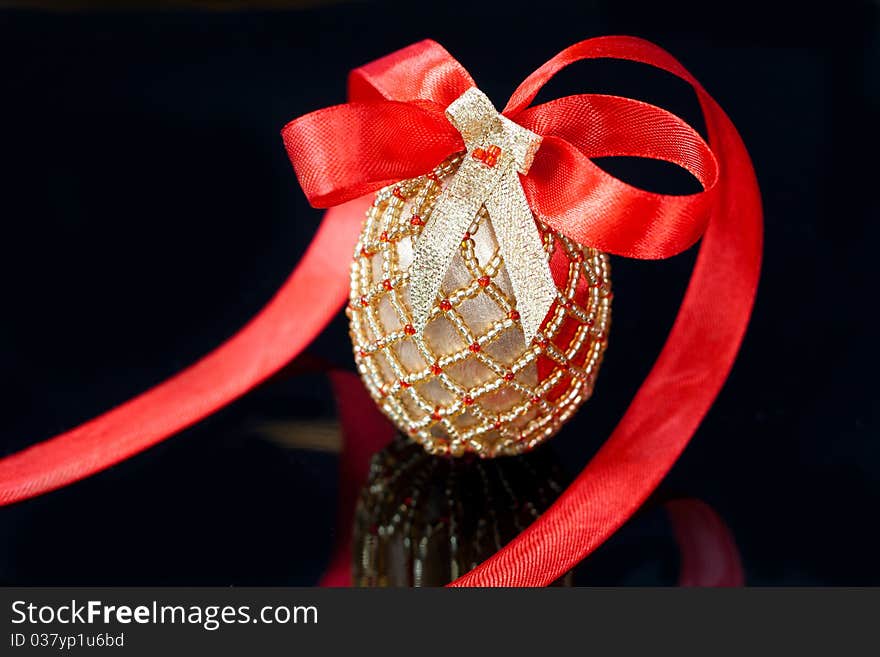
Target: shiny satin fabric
345,151
394,128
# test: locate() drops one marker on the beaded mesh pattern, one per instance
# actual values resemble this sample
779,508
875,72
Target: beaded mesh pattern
469,384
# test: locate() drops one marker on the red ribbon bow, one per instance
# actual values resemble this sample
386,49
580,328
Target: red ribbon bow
394,128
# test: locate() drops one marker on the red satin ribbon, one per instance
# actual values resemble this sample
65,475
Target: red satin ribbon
307,301
393,129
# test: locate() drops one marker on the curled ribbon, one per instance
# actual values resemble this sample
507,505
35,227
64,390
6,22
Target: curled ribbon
499,149
394,127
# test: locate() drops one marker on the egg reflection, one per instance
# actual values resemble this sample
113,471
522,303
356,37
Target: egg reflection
425,520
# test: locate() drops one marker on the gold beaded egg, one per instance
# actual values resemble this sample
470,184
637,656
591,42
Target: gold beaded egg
469,383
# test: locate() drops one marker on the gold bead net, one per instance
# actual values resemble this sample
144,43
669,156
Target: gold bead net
468,384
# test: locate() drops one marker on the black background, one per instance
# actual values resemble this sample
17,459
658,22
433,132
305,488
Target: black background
148,210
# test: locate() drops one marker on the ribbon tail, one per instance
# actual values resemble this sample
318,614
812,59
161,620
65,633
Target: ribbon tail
688,374
434,251
523,252
301,309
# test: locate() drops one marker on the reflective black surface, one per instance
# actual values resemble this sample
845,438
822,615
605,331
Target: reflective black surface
423,520
149,210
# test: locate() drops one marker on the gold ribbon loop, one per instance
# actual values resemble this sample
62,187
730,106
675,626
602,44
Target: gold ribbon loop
498,150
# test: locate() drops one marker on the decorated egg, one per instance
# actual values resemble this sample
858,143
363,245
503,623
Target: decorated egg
468,382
